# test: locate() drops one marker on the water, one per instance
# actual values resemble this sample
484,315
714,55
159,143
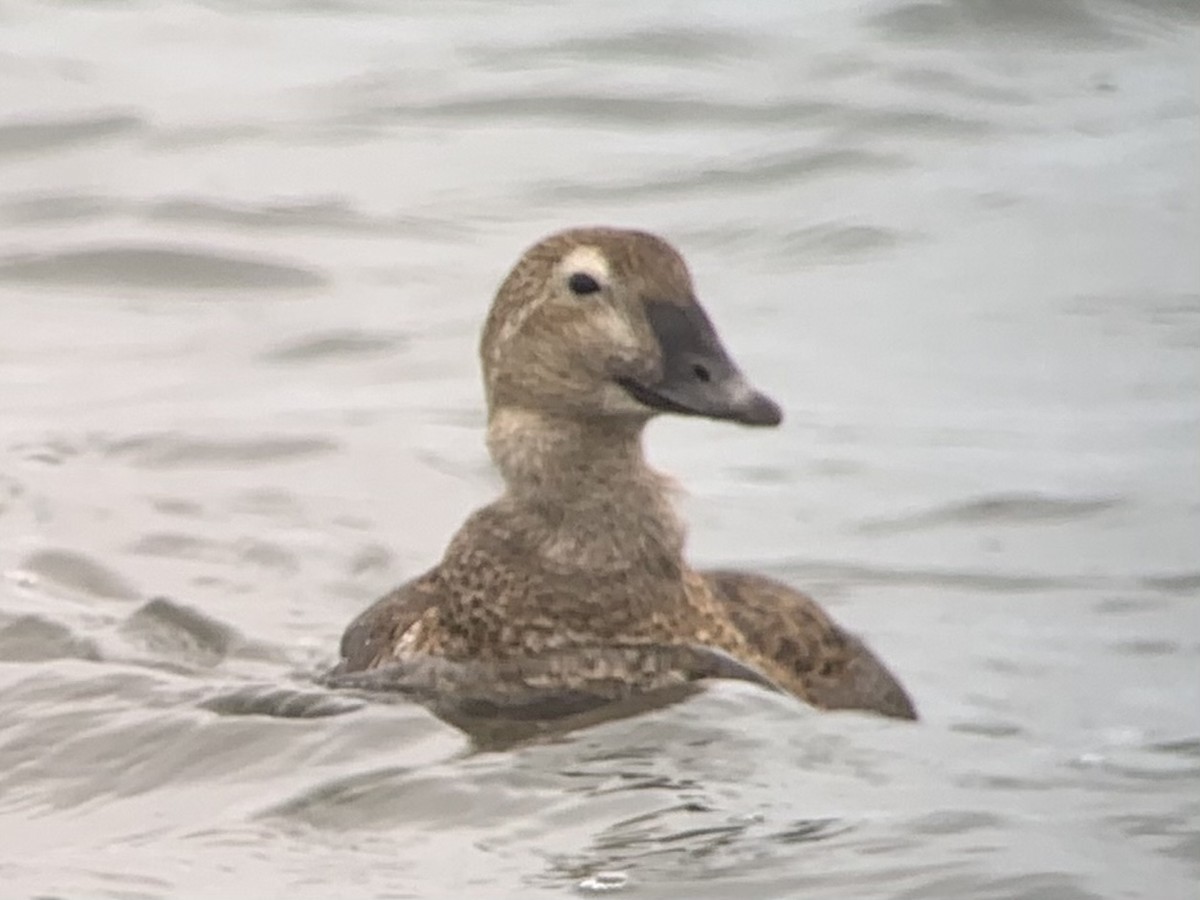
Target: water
246,252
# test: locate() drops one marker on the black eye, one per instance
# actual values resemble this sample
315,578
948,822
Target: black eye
582,283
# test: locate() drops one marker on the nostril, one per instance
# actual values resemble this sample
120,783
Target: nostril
701,372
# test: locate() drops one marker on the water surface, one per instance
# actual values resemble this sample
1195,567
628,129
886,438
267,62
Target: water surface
247,248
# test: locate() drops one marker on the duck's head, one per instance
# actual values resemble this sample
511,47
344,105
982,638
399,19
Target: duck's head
604,323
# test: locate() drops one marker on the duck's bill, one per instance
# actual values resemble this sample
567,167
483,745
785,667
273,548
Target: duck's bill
699,378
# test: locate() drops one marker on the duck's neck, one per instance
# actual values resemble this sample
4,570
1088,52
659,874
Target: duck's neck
584,492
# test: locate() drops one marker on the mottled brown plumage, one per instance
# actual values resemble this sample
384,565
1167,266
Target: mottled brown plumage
573,583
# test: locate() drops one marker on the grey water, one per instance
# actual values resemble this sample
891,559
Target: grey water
245,253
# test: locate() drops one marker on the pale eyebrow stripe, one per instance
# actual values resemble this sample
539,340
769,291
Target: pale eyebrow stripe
586,258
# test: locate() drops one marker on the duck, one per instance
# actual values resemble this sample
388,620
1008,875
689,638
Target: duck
571,590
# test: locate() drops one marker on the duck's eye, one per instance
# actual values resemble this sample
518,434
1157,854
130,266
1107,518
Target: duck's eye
581,284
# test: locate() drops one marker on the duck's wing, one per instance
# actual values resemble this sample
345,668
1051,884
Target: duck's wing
368,641
829,667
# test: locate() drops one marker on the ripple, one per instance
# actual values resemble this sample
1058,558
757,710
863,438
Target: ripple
1174,761
41,135
958,84
1182,840
32,638
181,634
1063,23
680,839
999,508
180,507
766,172
1183,583
684,43
1186,747
954,821
1146,647
1033,886
172,545
78,573
991,728
175,545
644,111
836,241
920,122
324,215
267,555
280,703
334,345
167,268
331,214
852,573
167,451
53,451
1172,317
436,796
806,831
336,801
51,208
